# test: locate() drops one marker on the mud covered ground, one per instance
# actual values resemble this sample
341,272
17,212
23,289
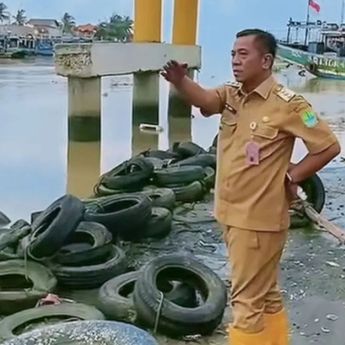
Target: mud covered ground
312,275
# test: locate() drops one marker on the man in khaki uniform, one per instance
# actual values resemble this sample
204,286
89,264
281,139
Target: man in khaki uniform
256,182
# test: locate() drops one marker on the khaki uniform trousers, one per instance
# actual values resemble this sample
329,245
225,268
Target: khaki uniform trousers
254,261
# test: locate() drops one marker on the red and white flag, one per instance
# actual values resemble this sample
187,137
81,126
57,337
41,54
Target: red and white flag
314,5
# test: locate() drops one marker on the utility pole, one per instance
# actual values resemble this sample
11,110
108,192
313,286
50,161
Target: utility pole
307,23
342,12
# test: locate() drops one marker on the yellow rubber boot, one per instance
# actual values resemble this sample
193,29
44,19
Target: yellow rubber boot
237,337
277,327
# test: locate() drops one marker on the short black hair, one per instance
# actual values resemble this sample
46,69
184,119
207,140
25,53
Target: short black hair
266,39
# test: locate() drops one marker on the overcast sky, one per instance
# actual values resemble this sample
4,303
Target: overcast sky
221,14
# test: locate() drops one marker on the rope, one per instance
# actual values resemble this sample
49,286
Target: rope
159,310
26,251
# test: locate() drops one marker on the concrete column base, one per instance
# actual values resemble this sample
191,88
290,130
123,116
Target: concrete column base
84,109
146,98
83,168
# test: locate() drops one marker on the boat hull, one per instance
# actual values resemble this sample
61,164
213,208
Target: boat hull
319,65
19,54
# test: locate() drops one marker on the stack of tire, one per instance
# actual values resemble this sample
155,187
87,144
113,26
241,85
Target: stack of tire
189,172
66,248
187,169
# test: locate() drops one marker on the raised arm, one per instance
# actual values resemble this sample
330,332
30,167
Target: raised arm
206,99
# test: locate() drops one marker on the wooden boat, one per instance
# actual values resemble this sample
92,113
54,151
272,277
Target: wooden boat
320,65
322,53
15,54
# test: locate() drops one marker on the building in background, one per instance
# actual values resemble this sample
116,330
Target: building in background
87,31
47,28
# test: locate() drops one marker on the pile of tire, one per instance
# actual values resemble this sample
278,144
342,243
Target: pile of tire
186,169
71,245
78,245
189,172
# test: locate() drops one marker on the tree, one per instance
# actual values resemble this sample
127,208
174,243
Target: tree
68,22
20,17
4,15
118,29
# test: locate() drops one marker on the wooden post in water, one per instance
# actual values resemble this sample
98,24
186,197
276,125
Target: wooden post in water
147,28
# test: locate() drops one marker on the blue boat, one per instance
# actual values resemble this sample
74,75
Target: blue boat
44,48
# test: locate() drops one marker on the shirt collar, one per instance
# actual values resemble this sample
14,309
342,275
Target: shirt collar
263,89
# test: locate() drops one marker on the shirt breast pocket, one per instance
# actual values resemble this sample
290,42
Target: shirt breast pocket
227,129
267,139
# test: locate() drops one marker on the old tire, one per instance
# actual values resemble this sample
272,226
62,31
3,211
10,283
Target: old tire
179,175
116,302
130,175
156,162
101,190
188,149
298,221
203,160
189,193
91,276
4,220
54,226
315,191
123,215
34,216
12,236
95,244
175,320
86,332
67,310
159,225
164,155
161,197
43,282
210,177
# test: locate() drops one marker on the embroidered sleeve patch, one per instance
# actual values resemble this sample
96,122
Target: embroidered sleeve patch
310,119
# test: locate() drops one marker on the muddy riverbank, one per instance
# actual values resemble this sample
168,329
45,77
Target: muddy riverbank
312,275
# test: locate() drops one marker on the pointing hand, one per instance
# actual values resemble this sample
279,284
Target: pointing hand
174,72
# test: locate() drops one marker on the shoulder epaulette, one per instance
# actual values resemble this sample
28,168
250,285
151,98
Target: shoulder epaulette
234,84
285,94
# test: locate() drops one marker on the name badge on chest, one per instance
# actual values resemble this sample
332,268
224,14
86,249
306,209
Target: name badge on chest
252,149
252,153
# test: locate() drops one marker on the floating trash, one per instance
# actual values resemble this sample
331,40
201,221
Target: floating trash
149,127
332,317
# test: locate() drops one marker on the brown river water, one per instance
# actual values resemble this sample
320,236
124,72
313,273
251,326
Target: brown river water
39,163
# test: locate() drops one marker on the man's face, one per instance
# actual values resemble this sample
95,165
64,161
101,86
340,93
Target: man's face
248,59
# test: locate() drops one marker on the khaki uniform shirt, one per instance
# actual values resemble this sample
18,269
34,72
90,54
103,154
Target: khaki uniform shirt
254,197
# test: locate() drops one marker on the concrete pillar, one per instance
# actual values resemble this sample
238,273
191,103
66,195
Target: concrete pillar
147,28
179,121
147,20
184,32
84,109
146,98
142,140
83,167
145,110
185,22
